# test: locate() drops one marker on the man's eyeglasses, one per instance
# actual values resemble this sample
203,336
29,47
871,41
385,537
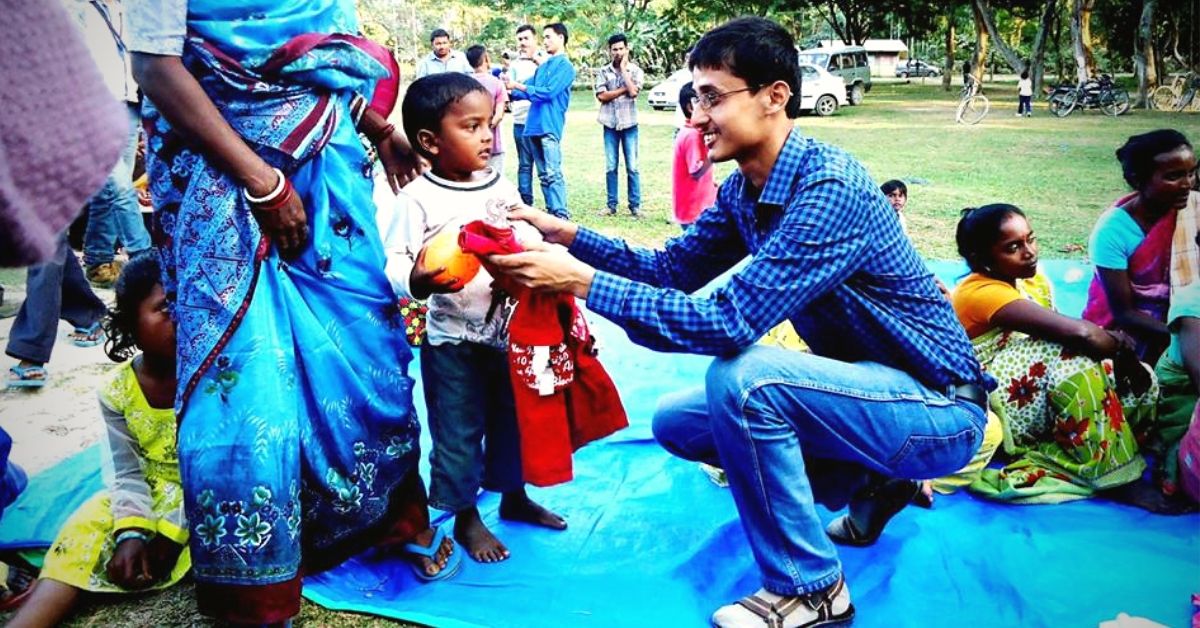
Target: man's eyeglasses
708,100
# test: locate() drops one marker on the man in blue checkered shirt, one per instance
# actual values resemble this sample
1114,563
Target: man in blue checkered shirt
891,389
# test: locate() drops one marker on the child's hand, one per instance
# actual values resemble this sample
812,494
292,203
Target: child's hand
129,568
554,230
425,281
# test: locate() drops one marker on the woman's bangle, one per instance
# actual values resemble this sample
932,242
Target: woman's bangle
272,195
132,534
382,134
279,201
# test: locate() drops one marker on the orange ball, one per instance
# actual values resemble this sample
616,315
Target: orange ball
443,251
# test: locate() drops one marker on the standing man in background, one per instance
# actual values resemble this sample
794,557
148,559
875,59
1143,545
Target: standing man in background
521,70
617,87
444,57
549,94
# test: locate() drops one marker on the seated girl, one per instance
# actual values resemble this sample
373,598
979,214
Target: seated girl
1131,242
1067,421
133,536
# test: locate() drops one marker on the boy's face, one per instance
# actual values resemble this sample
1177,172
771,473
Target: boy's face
463,143
733,123
552,41
898,198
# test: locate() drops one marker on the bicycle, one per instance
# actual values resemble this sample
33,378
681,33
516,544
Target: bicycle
1179,95
1099,93
972,104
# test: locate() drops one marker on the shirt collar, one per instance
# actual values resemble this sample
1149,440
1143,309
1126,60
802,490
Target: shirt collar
787,163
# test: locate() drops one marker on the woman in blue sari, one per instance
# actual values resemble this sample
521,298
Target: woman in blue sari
298,438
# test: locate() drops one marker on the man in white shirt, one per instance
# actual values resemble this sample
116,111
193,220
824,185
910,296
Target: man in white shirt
444,57
521,70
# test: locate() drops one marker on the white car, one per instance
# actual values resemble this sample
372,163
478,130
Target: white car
665,95
820,92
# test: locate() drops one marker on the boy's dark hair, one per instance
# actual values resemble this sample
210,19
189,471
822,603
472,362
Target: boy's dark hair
526,27
438,32
619,38
475,55
891,186
1024,74
1138,153
686,94
137,279
561,29
427,100
978,229
755,50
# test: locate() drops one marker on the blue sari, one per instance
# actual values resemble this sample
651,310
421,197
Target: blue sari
297,430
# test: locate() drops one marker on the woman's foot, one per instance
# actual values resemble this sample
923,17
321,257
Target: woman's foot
431,566
481,544
516,506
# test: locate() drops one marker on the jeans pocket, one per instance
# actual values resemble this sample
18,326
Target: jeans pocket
926,457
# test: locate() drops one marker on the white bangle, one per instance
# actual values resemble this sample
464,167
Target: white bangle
272,195
132,534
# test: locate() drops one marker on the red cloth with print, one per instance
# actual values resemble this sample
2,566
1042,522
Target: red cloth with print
564,397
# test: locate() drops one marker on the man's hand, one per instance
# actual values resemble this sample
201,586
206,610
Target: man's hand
554,230
546,269
129,567
400,161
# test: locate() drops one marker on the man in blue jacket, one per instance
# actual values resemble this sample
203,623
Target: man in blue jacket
549,93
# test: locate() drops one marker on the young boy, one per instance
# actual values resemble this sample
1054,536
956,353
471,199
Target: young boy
891,389
480,61
897,194
464,364
692,187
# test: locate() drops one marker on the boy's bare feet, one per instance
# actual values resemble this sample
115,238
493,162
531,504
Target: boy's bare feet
516,506
481,544
432,566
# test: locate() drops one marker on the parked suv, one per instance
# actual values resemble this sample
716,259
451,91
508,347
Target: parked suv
848,62
913,67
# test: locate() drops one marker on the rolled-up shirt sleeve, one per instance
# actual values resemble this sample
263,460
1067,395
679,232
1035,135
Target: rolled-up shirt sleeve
156,26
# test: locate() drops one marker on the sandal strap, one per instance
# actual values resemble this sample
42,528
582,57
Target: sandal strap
24,372
772,614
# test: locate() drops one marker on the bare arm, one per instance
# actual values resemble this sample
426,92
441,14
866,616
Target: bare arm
610,95
1120,301
1028,317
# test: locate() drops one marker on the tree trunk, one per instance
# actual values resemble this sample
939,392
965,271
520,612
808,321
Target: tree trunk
981,45
1081,39
1037,64
948,69
1143,55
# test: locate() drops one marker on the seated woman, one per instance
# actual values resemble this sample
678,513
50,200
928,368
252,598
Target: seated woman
1131,242
1178,434
1066,422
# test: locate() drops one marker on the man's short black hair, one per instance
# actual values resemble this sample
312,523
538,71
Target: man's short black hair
686,94
619,38
438,32
429,97
475,55
526,27
559,28
755,50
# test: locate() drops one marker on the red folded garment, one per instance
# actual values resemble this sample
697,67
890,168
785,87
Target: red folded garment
563,395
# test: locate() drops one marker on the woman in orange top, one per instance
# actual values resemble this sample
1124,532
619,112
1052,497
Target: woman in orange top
1068,423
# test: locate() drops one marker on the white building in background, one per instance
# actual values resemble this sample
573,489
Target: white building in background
882,54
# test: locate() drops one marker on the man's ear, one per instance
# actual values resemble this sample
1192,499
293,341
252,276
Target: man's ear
428,141
779,93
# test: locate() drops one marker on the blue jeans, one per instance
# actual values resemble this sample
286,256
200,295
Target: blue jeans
627,141
113,213
524,163
772,417
547,154
472,421
54,289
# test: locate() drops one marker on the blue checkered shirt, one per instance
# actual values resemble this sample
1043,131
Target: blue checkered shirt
826,252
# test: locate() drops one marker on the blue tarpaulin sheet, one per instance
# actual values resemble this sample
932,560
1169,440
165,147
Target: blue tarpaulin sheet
652,542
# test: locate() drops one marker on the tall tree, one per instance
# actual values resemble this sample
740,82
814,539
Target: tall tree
980,54
1011,56
1143,54
1081,39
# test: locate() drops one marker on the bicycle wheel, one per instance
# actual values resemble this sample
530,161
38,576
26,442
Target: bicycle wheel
1114,102
973,109
1062,104
1163,98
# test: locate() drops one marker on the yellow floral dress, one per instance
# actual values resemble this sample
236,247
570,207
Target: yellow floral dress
141,471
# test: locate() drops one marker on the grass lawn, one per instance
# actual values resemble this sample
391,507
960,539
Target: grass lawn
1061,171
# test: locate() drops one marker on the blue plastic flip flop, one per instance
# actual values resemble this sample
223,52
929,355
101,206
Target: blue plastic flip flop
27,376
453,563
88,336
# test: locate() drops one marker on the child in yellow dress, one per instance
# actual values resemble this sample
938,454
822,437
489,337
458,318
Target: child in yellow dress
132,536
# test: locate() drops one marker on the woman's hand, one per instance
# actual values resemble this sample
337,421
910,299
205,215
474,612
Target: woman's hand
400,161
129,567
554,230
285,224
